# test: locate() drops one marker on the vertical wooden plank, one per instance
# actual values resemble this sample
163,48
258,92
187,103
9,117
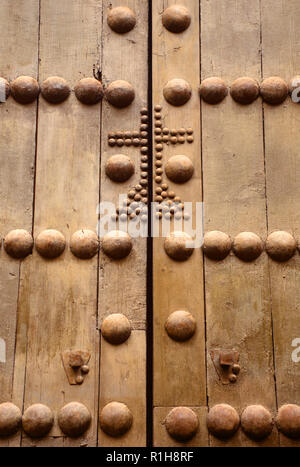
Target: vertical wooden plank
238,310
58,298
279,33
179,377
122,283
19,25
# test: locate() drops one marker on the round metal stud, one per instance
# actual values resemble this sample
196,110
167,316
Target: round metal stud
244,90
121,19
115,419
257,422
177,92
84,244
10,419
281,246
89,91
117,244
223,421
216,245
18,243
180,325
274,90
179,169
120,93
213,90
4,89
288,420
37,420
176,246
182,423
74,419
119,168
50,243
25,89
176,18
247,246
116,329
55,89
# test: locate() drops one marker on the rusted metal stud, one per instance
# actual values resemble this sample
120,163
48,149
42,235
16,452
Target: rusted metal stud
274,90
281,246
10,419
257,422
55,89
179,169
74,419
119,168
216,245
25,89
75,359
247,246
180,325
182,423
84,244
116,329
176,18
177,92
50,243
89,91
288,420
213,90
222,421
177,246
120,93
244,90
37,420
117,244
4,89
85,369
18,243
115,419
121,19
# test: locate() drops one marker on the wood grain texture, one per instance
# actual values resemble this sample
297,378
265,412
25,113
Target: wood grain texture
238,311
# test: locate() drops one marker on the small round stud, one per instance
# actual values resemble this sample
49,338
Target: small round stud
247,246
257,422
117,244
4,89
84,244
25,89
176,18
182,423
121,19
89,91
179,169
223,421
85,369
18,243
274,90
180,325
288,420
281,246
213,90
55,89
176,246
177,92
244,90
116,329
37,420
120,93
216,245
119,168
115,419
74,419
10,419
50,243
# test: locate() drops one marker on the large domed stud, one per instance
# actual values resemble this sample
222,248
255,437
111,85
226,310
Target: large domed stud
74,419
288,420
121,19
18,243
180,325
55,90
4,89
182,423
216,245
179,169
119,168
274,90
10,419
247,246
50,243
120,93
213,90
281,246
257,422
176,18
37,420
178,246
116,419
117,244
223,421
84,244
116,329
89,91
25,89
177,92
244,90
